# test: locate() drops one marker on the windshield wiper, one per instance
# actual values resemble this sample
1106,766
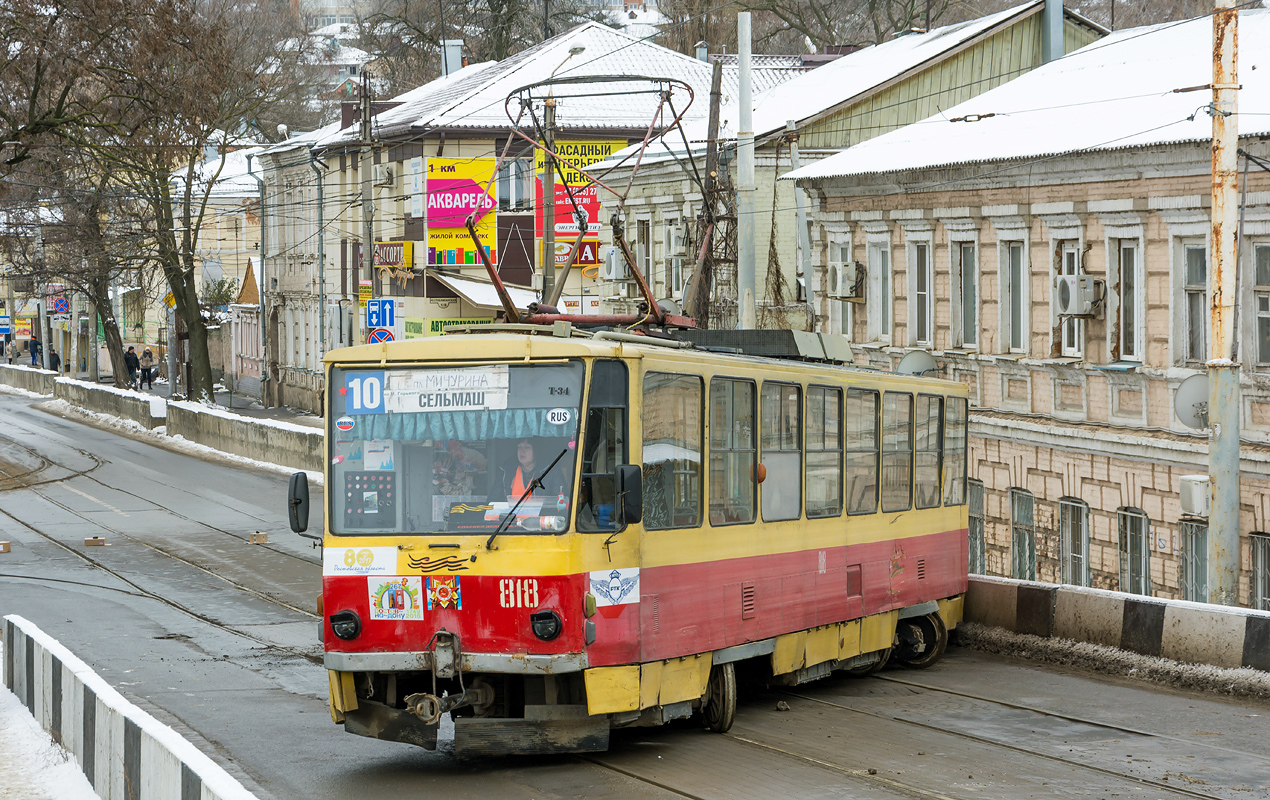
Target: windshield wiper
536,483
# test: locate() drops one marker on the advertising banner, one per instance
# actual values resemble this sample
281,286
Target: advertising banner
456,188
585,195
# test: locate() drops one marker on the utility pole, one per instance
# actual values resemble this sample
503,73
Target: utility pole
1223,370
804,234
546,20
747,314
368,209
549,200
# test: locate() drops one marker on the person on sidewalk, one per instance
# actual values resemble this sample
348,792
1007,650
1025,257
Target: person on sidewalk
147,368
34,347
133,364
55,361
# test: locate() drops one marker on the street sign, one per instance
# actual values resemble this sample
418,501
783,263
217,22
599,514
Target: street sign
61,305
378,335
6,326
381,313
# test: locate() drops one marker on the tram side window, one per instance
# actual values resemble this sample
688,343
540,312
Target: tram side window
930,442
955,452
824,451
672,451
862,451
732,451
897,451
782,451
604,446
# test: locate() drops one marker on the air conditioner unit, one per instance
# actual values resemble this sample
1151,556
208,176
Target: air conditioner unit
615,266
1076,295
385,175
842,280
1196,495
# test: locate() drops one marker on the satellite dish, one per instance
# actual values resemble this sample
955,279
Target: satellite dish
917,362
1190,403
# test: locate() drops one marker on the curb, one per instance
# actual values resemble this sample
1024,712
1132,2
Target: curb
125,753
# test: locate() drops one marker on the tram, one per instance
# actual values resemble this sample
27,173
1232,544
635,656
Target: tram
548,533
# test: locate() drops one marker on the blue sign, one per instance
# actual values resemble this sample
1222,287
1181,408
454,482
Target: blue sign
6,326
381,314
363,392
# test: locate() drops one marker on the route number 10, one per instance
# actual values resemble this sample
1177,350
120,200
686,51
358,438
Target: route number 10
364,393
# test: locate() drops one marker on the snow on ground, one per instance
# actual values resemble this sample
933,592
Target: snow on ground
1244,682
178,443
6,389
32,766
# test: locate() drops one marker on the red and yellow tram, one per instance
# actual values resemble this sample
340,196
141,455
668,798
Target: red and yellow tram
548,533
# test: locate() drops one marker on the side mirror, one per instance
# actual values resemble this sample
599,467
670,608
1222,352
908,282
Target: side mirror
298,502
628,481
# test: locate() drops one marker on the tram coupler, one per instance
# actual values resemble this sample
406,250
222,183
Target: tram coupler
429,707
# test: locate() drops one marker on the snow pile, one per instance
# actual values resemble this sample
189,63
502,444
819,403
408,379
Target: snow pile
178,443
34,766
1244,682
6,389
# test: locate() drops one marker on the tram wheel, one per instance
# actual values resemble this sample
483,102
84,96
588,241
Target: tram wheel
923,641
869,669
719,710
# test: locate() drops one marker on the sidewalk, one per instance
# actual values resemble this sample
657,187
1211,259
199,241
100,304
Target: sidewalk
244,405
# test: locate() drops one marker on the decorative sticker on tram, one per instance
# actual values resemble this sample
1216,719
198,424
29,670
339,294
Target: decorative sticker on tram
447,564
615,587
444,592
344,423
396,598
559,416
359,561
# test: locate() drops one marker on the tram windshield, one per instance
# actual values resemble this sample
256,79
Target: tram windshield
453,449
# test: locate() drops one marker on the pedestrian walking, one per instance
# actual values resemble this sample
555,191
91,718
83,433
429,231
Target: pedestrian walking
55,361
133,364
34,346
147,368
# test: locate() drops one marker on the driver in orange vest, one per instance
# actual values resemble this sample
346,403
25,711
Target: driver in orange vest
517,479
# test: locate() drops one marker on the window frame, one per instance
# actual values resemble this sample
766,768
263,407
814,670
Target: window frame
921,269
1259,581
1131,331
1260,306
1125,515
881,288
675,471
938,449
763,448
976,495
948,482
830,391
1192,563
1073,520
1016,291
753,450
882,479
875,450
1194,352
674,235
841,316
585,430
1022,535
965,309
1071,330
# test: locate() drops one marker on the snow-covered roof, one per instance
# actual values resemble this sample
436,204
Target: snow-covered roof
840,81
1116,93
474,98
233,179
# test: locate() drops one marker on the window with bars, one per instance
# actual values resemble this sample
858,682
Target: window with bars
1195,294
1022,535
978,549
1261,303
781,439
897,451
732,451
1193,573
1135,551
861,423
928,450
824,451
1260,584
1073,524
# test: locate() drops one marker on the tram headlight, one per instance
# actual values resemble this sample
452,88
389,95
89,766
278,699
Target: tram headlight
546,624
346,625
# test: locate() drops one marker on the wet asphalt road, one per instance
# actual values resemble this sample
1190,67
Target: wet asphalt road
218,638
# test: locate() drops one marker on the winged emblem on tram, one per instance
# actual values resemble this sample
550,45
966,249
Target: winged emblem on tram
614,587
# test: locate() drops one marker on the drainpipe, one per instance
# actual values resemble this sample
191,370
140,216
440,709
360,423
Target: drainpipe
264,282
1052,31
321,254
747,315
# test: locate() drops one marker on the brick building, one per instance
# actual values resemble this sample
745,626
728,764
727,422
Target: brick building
954,236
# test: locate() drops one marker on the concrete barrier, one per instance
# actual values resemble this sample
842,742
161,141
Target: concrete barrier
32,379
1195,633
146,410
274,441
125,753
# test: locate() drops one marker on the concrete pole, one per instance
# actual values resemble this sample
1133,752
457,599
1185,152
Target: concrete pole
1223,370
549,202
804,234
368,210
747,314
73,364
321,254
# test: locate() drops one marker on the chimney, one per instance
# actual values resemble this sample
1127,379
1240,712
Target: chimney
451,56
703,51
1052,31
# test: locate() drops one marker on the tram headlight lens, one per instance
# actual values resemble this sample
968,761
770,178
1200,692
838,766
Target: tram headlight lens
546,624
346,625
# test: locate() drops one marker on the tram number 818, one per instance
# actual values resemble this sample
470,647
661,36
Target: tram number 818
518,593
